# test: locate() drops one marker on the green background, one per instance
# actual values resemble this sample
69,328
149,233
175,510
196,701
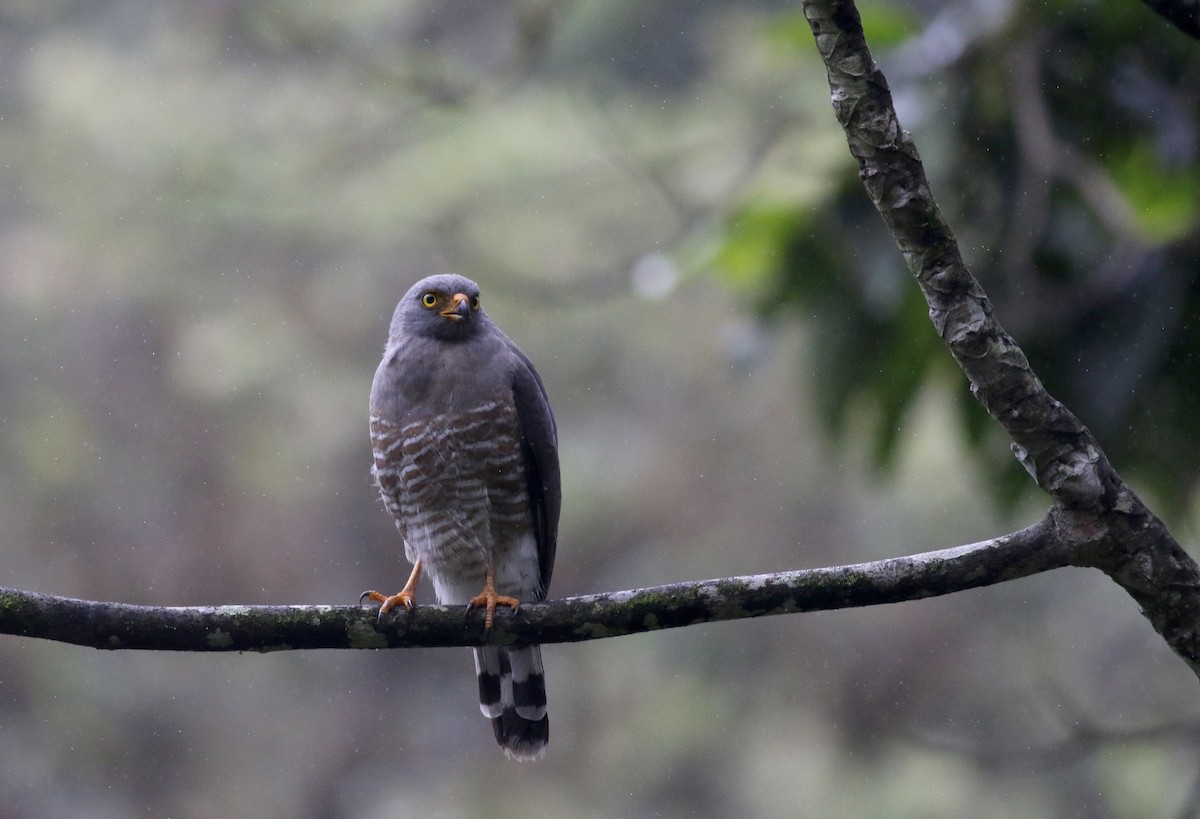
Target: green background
209,209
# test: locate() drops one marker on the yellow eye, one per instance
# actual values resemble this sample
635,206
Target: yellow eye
429,300
475,302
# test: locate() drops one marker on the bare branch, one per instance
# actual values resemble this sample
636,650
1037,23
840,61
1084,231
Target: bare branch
282,628
1051,157
1096,520
1094,509
1075,743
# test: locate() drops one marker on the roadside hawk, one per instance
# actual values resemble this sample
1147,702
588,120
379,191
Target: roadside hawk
466,459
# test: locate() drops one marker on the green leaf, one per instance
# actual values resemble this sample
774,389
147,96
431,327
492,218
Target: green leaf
754,244
886,26
1165,201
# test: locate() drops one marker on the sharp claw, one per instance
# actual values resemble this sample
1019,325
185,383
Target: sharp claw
387,604
489,601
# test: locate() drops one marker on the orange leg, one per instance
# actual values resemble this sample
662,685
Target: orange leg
403,598
489,600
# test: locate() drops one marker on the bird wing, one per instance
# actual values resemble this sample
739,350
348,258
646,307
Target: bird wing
539,448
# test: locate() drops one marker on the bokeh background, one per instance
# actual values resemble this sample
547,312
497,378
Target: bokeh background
208,209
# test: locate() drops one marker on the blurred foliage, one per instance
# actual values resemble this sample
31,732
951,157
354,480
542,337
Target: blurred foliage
1074,184
208,209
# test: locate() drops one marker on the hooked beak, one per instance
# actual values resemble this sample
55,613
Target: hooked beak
458,308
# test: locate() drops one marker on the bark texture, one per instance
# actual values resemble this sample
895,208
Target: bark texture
280,628
1095,519
1096,515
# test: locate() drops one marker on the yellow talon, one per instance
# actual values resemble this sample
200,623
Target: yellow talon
405,597
489,600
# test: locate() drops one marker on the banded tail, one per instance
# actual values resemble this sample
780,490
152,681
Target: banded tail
512,694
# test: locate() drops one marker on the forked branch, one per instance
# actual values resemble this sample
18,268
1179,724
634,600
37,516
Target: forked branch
1095,513
1096,519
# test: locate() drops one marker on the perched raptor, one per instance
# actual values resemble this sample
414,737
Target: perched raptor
466,459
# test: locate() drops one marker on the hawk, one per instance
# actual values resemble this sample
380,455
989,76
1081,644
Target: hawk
466,460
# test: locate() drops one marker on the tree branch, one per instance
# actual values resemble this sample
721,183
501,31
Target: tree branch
281,628
1095,510
1096,520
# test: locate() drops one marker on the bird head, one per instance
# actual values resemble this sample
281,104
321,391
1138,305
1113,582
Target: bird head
445,306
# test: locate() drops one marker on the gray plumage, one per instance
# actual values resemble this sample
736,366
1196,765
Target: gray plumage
466,459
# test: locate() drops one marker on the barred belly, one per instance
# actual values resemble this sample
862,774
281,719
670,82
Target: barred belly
455,482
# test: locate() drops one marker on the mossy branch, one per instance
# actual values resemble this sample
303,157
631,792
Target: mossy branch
1094,509
117,626
1096,519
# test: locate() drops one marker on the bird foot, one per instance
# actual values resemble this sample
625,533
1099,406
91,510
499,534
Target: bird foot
388,602
403,598
489,599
